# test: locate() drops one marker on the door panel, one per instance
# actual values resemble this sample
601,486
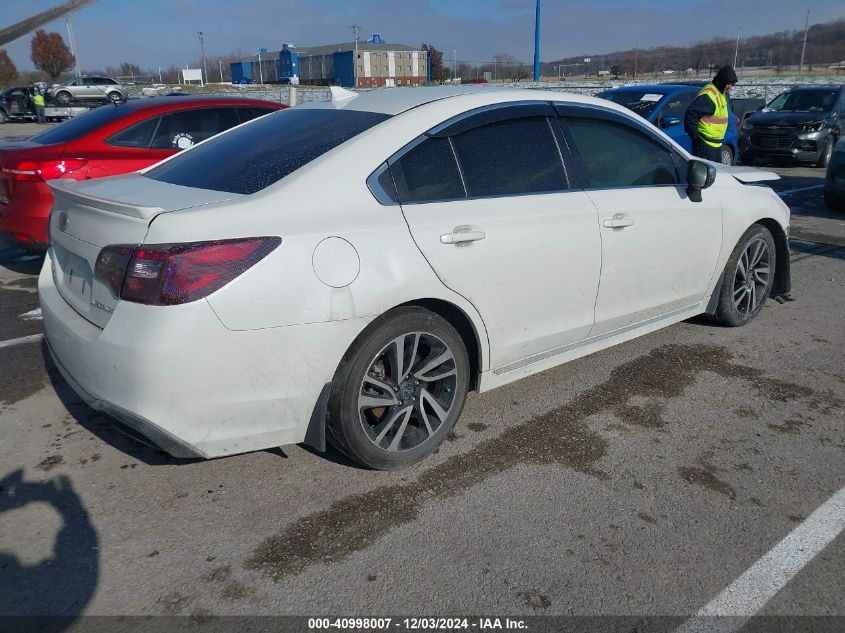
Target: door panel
662,260
533,277
659,249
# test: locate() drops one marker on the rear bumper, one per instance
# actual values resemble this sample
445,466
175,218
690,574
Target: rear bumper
177,376
23,217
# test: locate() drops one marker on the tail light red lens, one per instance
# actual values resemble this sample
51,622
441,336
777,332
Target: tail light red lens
38,170
170,274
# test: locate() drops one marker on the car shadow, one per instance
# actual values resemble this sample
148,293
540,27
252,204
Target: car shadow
48,595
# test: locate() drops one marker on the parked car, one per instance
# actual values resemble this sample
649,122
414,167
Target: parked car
111,139
802,124
834,182
664,105
379,255
16,103
93,88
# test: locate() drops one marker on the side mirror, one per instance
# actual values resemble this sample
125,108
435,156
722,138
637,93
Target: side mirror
700,175
669,121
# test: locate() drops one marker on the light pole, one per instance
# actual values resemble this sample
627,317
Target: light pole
220,61
736,50
260,70
201,37
355,29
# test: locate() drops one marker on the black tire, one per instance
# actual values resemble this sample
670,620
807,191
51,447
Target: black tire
827,152
833,200
403,431
726,156
114,97
742,298
2,116
63,97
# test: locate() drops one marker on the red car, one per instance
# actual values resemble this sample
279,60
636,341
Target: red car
110,140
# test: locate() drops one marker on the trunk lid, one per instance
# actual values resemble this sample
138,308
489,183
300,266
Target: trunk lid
90,215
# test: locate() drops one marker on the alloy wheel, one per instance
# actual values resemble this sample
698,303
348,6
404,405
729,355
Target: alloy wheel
751,278
407,392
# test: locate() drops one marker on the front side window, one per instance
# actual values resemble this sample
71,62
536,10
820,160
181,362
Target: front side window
255,156
510,157
676,106
616,155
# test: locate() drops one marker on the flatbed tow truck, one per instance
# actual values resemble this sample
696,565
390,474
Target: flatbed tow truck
16,105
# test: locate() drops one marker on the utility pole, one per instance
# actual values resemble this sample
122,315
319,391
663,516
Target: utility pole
454,64
261,70
355,29
201,37
73,46
736,50
804,48
636,54
537,43
220,62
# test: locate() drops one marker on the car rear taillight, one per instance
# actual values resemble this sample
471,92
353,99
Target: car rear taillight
38,170
170,274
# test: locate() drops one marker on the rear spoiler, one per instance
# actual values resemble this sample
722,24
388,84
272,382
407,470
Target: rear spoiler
63,192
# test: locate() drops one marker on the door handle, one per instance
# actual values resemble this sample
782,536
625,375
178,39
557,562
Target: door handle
462,235
618,221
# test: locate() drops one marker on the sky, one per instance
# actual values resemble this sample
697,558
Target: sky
154,33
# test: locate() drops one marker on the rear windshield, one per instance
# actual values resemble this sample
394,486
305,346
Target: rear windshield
643,103
252,157
82,124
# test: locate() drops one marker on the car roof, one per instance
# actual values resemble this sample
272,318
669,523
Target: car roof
658,88
151,103
393,101
811,87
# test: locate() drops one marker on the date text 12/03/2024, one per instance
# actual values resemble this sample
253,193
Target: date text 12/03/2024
414,624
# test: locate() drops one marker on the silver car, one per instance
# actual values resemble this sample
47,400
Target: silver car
93,88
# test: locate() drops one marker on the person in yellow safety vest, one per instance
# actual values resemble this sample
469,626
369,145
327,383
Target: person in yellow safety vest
706,119
38,101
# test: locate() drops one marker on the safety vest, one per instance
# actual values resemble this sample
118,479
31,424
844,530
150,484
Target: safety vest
38,100
711,129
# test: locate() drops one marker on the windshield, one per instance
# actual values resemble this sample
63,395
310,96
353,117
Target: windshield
254,156
82,124
643,103
804,101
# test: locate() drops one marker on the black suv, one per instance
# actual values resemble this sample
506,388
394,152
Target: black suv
803,123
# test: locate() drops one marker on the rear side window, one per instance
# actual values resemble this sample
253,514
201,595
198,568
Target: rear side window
82,124
181,130
676,105
137,136
510,157
428,172
257,155
615,155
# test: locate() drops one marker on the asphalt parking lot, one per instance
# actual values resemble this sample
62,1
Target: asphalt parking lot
640,481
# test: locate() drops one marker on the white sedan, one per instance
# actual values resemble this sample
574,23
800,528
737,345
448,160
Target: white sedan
349,270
